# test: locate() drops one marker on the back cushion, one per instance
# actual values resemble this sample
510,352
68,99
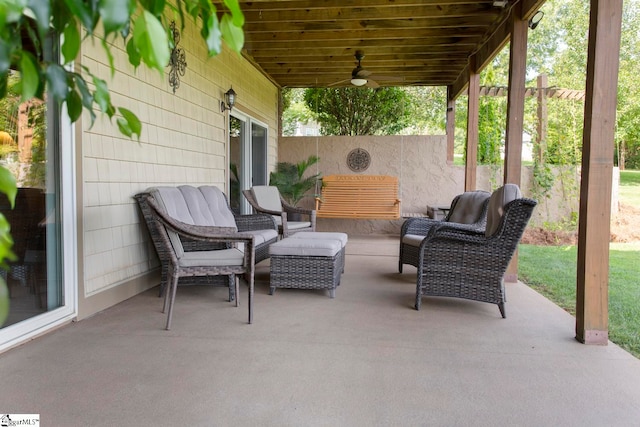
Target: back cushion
468,207
218,207
171,200
268,197
197,205
503,195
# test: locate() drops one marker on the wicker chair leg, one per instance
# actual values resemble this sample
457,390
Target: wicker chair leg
165,288
502,312
272,289
418,287
236,285
172,290
232,288
250,297
332,293
163,280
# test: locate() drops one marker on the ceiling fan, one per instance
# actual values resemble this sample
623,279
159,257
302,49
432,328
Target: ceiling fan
362,77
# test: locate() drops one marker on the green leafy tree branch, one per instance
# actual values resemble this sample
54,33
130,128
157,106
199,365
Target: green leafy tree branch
359,111
141,25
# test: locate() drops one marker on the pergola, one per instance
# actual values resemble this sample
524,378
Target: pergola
312,43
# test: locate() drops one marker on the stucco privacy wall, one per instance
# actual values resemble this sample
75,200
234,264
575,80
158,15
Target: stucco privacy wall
426,178
417,161
183,141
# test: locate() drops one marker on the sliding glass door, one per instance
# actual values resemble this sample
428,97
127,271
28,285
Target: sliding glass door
31,149
248,141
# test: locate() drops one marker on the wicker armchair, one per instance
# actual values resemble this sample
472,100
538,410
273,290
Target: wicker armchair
266,199
464,263
468,209
222,262
206,199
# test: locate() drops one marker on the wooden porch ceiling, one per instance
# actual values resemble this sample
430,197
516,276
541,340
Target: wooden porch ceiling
312,43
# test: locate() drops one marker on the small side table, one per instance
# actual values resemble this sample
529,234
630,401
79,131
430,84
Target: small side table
438,212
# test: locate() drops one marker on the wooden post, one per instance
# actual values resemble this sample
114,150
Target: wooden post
515,102
471,164
451,124
597,164
515,116
541,137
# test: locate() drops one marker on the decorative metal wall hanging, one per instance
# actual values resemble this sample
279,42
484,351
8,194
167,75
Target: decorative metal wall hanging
177,62
358,160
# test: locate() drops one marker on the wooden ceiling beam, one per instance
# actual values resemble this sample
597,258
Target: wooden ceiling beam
530,7
457,23
387,65
338,47
307,83
397,73
390,34
428,42
493,45
367,12
389,59
257,5
379,53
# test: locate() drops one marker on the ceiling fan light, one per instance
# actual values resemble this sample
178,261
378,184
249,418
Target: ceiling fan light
358,82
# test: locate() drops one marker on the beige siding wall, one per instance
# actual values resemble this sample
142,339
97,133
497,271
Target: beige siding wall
184,141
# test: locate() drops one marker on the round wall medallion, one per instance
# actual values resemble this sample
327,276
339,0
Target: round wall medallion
358,160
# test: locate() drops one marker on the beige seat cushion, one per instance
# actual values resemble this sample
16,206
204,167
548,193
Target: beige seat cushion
305,247
297,225
341,237
217,258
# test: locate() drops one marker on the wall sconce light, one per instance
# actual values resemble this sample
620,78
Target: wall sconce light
535,19
230,98
177,61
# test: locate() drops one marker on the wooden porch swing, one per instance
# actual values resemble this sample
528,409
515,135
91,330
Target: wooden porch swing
359,197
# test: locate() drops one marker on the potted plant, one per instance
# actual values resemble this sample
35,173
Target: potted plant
290,179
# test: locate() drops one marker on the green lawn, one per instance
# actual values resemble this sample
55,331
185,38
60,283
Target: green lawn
630,187
551,270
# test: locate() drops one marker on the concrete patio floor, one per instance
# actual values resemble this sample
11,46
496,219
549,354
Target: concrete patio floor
364,358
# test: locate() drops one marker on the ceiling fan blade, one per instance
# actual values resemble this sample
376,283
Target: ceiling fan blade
372,84
338,83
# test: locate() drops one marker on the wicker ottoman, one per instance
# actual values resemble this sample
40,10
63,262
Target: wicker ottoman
305,264
341,237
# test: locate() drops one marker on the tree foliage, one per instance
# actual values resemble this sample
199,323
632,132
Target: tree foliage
359,111
427,108
142,26
295,111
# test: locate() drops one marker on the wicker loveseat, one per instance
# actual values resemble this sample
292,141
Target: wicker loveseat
456,261
203,206
469,208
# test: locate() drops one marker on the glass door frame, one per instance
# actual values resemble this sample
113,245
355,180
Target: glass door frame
66,215
246,155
